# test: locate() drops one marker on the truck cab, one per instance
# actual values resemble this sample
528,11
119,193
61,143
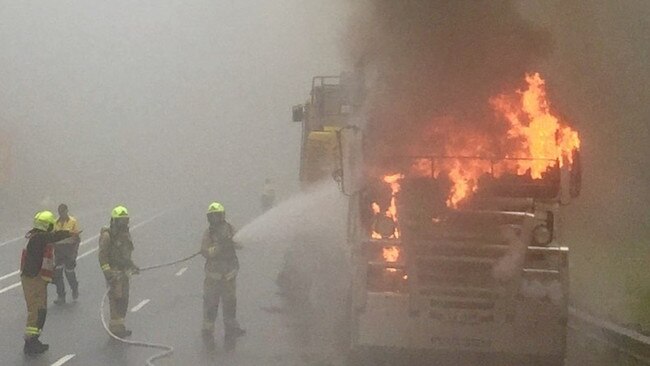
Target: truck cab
486,280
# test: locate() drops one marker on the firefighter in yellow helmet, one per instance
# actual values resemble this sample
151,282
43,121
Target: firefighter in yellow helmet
36,271
115,248
221,267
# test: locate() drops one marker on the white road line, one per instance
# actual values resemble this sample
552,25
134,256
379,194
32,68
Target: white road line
93,250
9,275
181,271
140,305
2,291
149,220
63,360
11,241
12,286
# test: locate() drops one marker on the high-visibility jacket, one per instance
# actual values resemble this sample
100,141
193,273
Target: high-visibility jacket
70,225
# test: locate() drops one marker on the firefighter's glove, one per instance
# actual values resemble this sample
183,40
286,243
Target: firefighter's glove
230,275
212,252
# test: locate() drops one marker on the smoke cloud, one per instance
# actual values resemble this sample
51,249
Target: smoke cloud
440,62
600,76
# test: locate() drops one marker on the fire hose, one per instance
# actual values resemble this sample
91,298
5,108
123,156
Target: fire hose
166,350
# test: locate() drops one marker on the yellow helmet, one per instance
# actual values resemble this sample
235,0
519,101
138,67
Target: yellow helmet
119,211
216,207
44,220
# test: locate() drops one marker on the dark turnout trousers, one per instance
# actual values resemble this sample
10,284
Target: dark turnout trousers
118,297
215,291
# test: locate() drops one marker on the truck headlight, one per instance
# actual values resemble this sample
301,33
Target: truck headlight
384,226
542,235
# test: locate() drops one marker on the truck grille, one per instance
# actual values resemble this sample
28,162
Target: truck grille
454,282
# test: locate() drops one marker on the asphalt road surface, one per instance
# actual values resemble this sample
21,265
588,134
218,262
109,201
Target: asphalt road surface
166,307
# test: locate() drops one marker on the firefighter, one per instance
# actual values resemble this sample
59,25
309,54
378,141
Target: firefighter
115,248
36,271
221,267
65,256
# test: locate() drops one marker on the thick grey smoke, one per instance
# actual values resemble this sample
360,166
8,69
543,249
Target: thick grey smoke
435,59
599,80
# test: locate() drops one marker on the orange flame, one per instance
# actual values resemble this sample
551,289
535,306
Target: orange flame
464,176
534,134
391,254
375,208
541,134
391,211
393,181
536,137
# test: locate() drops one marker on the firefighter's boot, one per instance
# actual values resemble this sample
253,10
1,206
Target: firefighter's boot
33,346
235,332
117,327
208,339
75,292
123,333
60,300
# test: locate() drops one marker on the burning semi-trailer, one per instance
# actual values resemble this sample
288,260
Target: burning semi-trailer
454,238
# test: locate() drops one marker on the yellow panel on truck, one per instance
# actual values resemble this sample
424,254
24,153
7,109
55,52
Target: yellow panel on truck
320,155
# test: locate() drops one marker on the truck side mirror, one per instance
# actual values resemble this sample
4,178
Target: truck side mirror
298,113
575,175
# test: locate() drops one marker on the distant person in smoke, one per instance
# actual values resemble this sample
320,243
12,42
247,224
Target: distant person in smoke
36,271
65,255
268,195
115,248
221,268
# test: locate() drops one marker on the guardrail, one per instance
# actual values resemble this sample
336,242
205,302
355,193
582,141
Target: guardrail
625,341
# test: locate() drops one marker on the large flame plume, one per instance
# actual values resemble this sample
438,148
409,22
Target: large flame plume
534,140
535,137
543,137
